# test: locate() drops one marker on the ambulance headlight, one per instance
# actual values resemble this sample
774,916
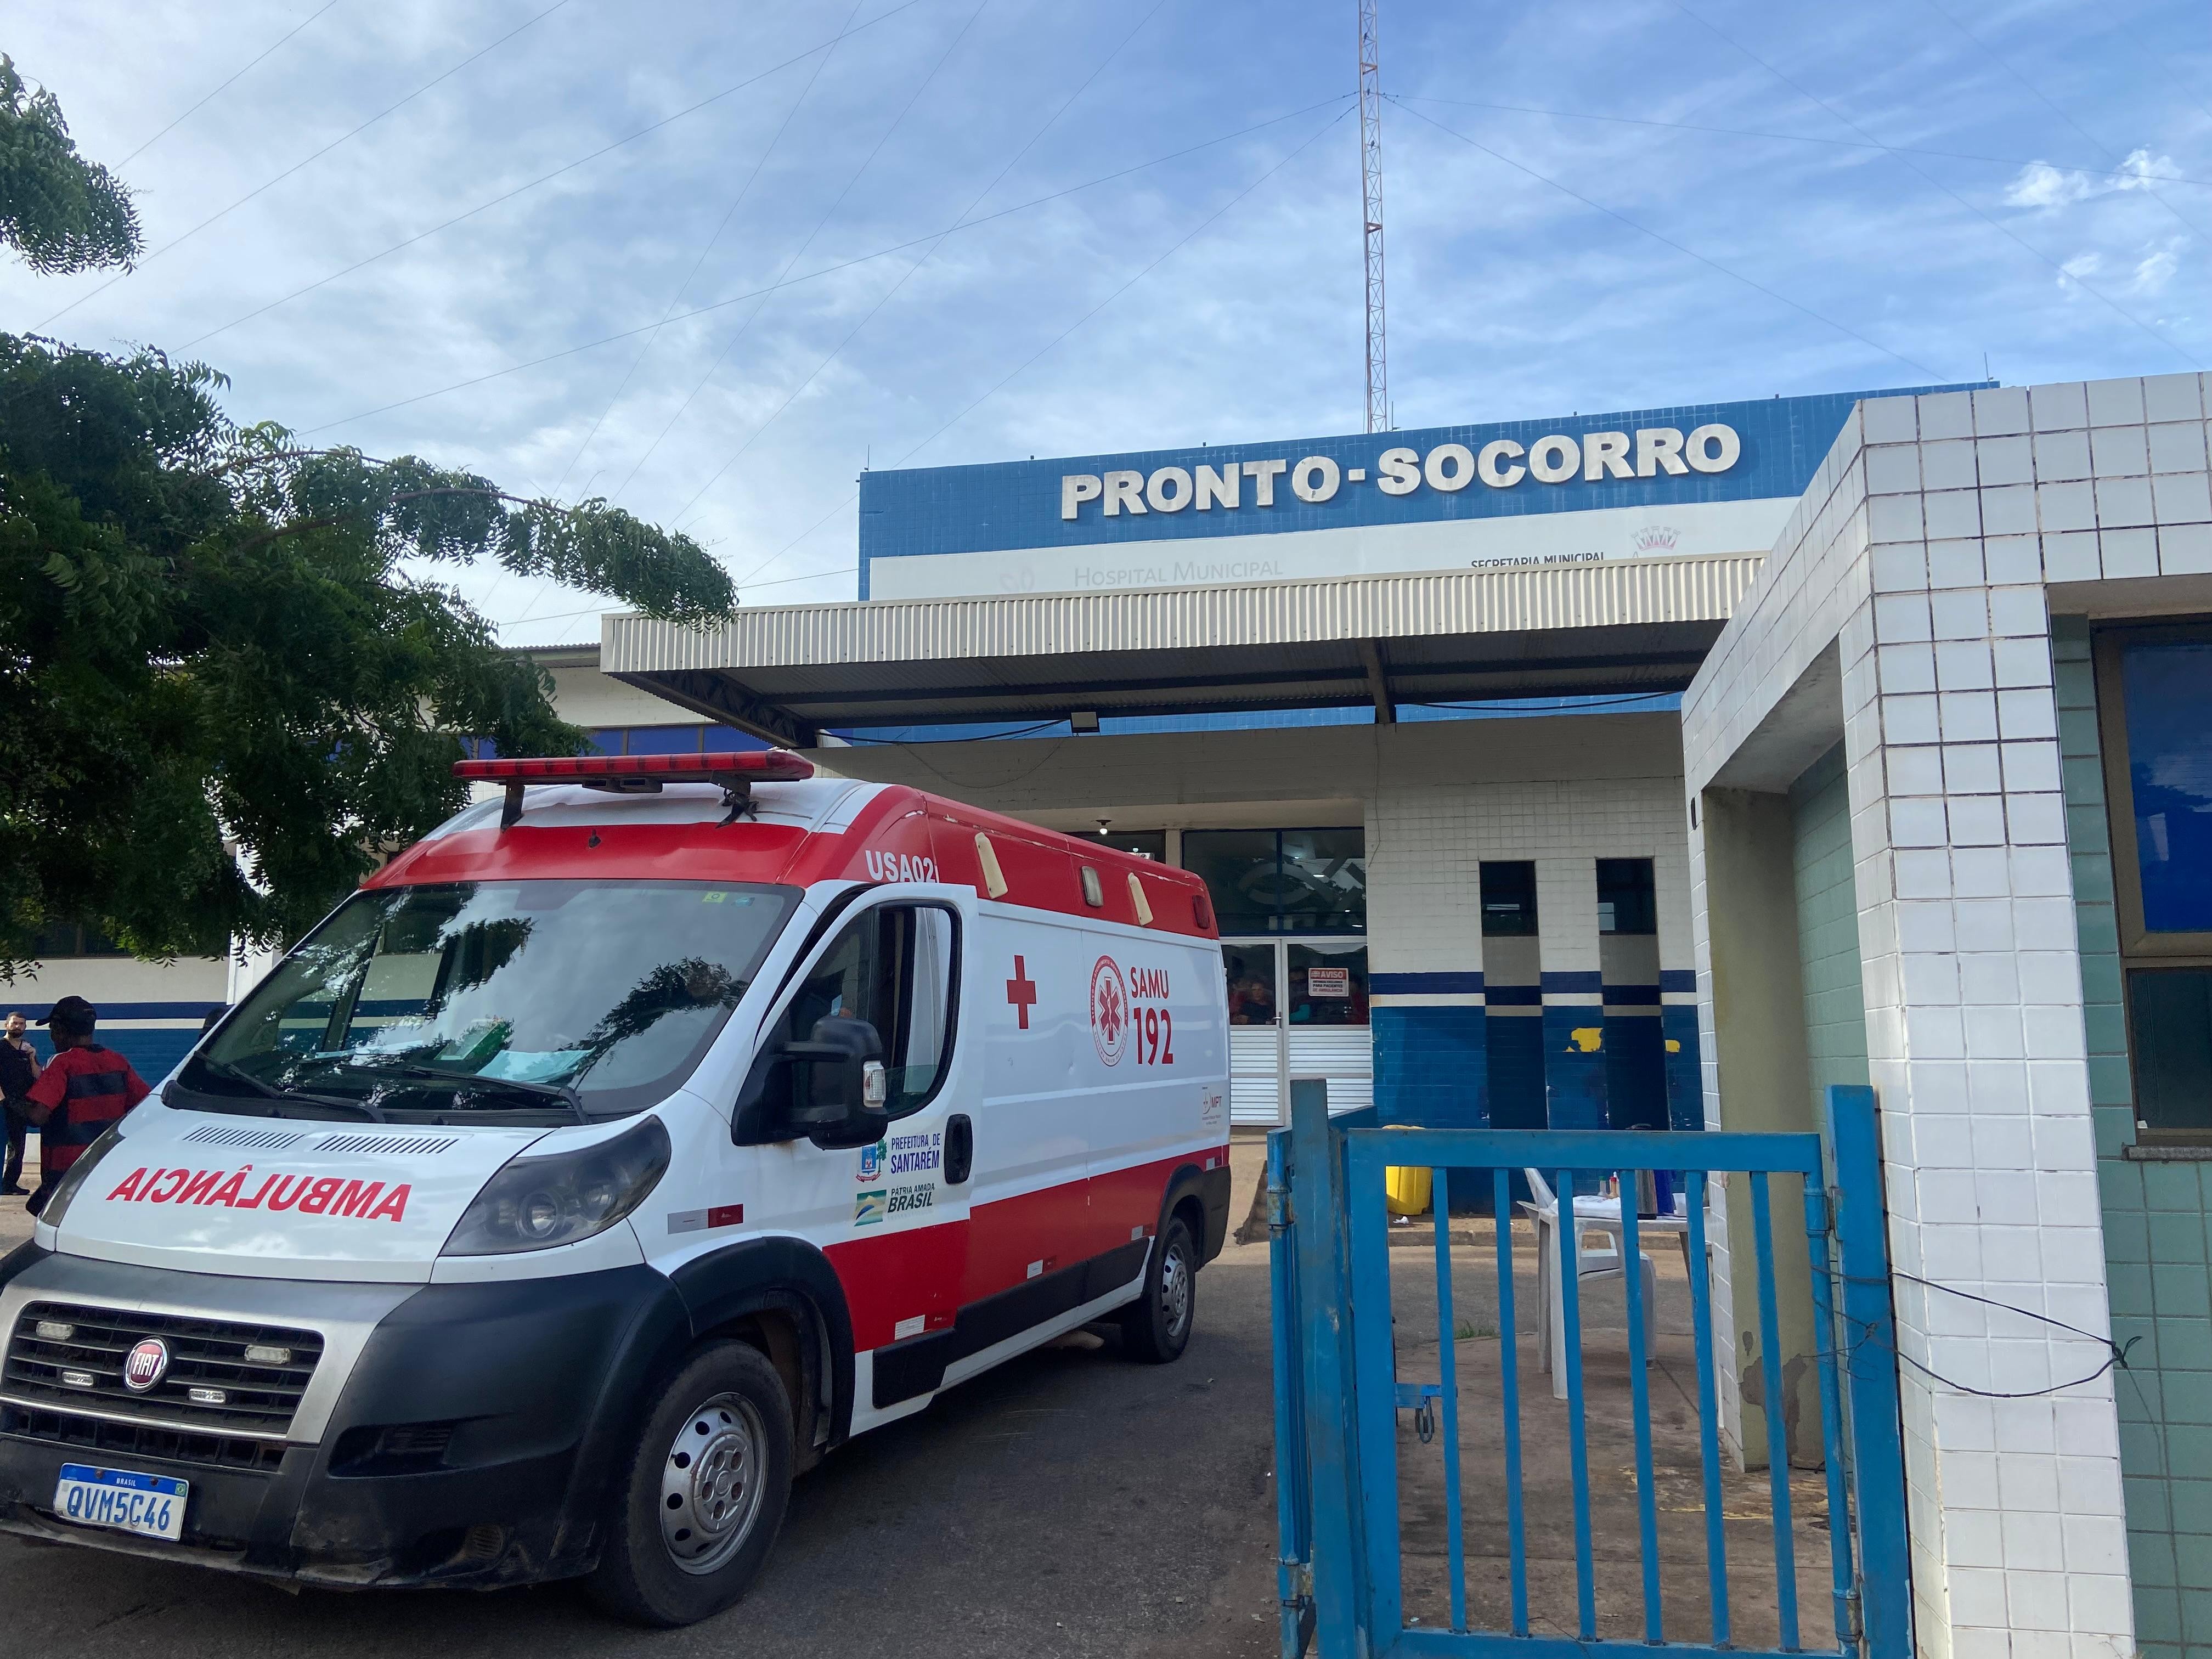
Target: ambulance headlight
536,1203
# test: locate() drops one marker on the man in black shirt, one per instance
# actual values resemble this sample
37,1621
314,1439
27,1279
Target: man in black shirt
19,1070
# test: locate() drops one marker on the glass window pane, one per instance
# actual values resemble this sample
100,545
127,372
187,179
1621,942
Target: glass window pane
1508,900
1626,900
608,740
2169,723
728,740
1239,869
2170,1010
1323,884
1251,971
1328,984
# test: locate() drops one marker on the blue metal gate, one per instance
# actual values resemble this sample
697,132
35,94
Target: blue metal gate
1340,1393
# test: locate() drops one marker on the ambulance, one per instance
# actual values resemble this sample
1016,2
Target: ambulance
650,1129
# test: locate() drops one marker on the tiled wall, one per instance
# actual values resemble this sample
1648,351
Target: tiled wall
2155,1231
1828,927
1919,556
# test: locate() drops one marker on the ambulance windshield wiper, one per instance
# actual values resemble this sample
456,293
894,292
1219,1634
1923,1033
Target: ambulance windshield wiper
223,1068
560,1092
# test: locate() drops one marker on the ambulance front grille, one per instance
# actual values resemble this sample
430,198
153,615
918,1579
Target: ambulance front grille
69,1356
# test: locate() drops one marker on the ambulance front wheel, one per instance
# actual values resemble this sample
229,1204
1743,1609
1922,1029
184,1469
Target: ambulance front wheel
702,1495
1156,1326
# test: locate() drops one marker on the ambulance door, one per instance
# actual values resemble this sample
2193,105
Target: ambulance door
893,1216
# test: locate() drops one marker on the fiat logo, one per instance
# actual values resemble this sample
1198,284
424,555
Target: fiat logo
145,1365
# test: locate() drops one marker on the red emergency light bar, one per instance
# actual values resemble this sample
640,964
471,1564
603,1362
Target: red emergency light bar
636,775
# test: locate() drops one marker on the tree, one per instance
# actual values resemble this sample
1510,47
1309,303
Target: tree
223,697
61,212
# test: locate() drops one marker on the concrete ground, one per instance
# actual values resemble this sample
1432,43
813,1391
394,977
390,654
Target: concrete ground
1070,1503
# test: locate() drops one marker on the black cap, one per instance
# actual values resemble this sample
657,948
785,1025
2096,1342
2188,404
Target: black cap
71,1010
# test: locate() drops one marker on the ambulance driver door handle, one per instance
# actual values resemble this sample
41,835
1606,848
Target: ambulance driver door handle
959,1149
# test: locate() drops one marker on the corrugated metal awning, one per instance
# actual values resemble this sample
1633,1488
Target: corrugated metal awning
786,672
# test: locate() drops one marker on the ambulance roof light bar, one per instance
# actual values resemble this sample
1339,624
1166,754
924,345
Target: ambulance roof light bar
637,775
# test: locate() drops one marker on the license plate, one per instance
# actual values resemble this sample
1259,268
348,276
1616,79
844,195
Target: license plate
151,1506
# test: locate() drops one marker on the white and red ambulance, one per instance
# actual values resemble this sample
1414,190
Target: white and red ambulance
617,1152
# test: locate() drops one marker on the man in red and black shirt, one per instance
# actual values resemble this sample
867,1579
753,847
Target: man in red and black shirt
82,1089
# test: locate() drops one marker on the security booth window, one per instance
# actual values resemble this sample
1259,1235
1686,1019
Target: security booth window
2155,722
895,967
1627,901
1282,881
1328,983
1508,900
1251,973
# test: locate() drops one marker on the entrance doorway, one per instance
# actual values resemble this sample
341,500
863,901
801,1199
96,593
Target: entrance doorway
1310,993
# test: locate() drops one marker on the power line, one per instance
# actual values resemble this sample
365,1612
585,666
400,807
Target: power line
797,253
2004,231
219,90
1098,69
1734,275
528,185
1049,345
1869,145
830,270
356,132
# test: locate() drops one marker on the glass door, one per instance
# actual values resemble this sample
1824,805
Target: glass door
1317,989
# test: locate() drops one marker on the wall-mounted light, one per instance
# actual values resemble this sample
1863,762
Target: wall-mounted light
1084,720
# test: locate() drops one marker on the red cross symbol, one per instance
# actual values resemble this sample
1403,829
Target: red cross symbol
1021,991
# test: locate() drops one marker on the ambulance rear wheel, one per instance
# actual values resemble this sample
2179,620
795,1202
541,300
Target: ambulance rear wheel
1156,1326
702,1495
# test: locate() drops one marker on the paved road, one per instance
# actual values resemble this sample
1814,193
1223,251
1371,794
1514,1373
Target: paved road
1069,1505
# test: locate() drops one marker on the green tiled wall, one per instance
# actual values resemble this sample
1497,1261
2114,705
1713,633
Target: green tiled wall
2155,1225
1828,927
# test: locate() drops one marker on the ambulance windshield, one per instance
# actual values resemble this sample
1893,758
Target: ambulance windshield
576,999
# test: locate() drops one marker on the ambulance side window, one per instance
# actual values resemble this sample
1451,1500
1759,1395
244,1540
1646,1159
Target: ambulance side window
897,967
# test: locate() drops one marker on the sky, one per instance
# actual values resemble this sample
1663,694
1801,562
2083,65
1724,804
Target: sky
710,262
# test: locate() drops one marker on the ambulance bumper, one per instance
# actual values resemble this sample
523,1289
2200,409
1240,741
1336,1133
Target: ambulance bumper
470,1444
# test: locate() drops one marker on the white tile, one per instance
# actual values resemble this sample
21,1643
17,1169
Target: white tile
2036,820
2009,560
2061,456
2007,510
2001,411
2118,452
1984,924
1923,875
2004,461
2063,507
1906,667
2129,552
1993,1033
1894,468
1951,513
1914,771
1980,872
2177,447
2182,498
1898,567
1910,718
2184,550
2042,923
1977,821
1959,614
2026,713
1964,666
2047,976
2060,406
2032,765
1923,925
2102,1604
1894,519
2072,556
2115,403
1968,716
2031,1541
1918,822
1972,768
2040,873
1946,414
1888,420
2171,397
1900,617
2122,503
1956,563
2021,662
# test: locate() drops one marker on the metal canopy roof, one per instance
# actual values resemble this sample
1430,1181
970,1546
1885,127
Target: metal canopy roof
785,673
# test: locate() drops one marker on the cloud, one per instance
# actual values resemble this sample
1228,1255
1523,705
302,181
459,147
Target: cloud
2039,185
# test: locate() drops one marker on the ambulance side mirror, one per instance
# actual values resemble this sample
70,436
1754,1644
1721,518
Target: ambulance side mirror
838,1086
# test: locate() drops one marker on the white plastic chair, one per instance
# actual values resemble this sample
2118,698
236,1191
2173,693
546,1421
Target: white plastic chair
1592,1214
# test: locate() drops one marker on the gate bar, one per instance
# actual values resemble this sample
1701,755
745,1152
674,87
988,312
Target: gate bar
1709,1442
1778,1418
1832,1401
1639,1396
1571,1339
1510,1399
1447,1373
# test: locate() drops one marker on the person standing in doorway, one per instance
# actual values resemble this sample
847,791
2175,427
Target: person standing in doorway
82,1089
19,1070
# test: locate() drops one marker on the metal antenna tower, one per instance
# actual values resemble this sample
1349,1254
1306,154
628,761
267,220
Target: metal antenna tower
1370,179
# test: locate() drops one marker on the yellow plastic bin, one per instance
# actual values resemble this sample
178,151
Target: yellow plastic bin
1406,1188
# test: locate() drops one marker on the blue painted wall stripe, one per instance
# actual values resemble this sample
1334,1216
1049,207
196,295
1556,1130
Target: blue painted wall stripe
1405,984
1679,979
1579,979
